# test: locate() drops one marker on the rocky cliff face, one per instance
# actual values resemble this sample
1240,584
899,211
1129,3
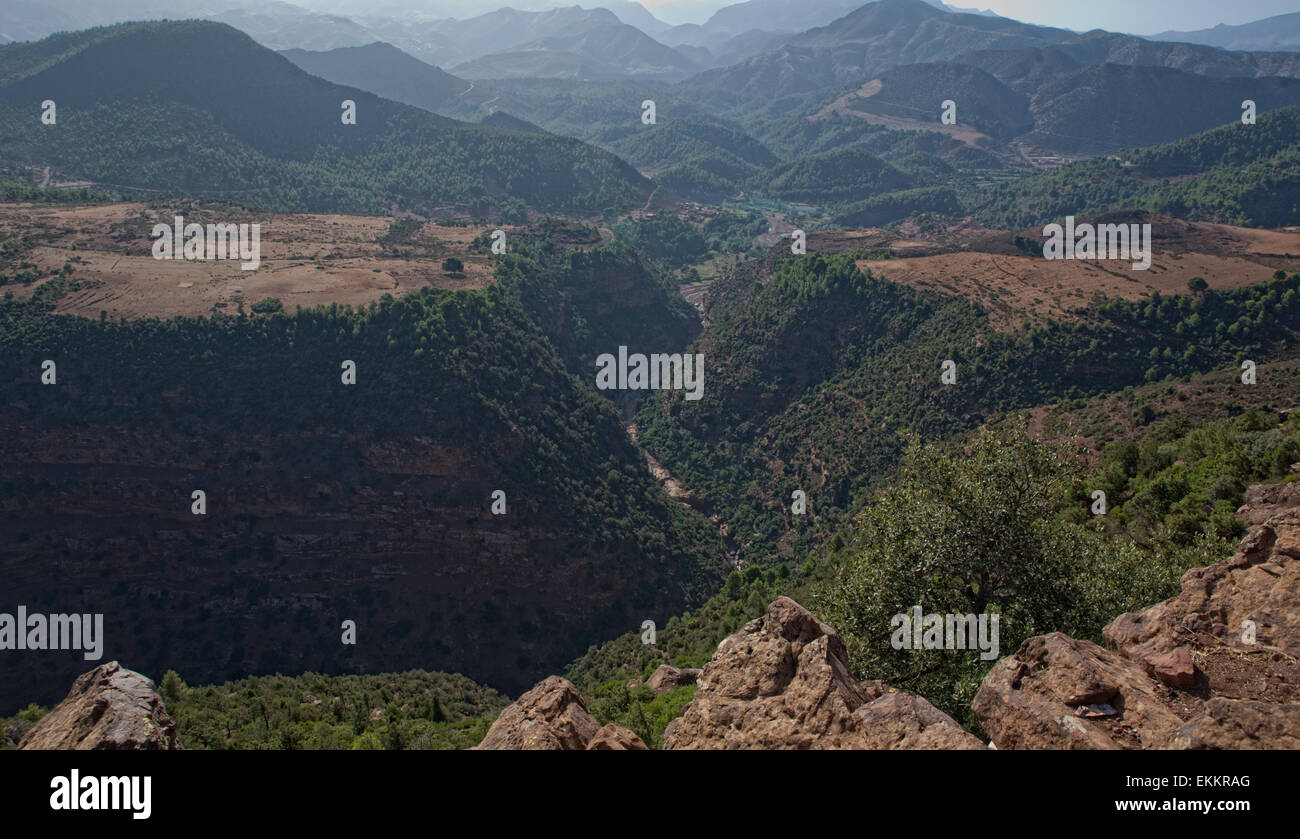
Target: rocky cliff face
1213,668
108,708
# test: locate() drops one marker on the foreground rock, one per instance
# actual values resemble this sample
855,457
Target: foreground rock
1260,584
1214,667
1059,693
782,682
108,708
553,717
616,738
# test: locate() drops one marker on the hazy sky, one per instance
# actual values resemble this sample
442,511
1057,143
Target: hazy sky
1141,17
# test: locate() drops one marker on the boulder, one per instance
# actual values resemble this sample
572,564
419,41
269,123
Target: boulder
550,717
109,708
783,682
667,678
1229,690
616,738
898,720
1039,698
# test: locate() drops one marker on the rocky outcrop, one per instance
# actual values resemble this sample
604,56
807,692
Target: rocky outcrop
1260,584
108,708
1059,693
616,738
554,717
667,678
550,717
1214,667
783,682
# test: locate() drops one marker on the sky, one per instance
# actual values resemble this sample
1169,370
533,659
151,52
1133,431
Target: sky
1140,17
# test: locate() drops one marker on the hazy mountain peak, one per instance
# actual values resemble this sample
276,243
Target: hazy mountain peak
1281,32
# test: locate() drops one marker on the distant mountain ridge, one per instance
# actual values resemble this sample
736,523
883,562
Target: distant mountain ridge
384,70
231,117
594,38
561,42
891,33
1281,32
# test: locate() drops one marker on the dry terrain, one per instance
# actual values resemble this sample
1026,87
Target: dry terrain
1013,285
844,106
306,259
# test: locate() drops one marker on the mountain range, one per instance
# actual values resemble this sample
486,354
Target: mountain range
258,126
1281,32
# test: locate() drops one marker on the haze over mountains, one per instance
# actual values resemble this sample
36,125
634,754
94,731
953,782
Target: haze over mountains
1281,32
1020,89
601,41
851,93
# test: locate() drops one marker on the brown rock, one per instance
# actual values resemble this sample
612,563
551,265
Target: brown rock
1259,583
1241,724
1175,668
108,708
616,738
782,682
1263,501
1022,700
550,717
902,721
1030,700
668,677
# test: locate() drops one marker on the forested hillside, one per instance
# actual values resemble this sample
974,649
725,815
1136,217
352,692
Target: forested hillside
818,376
325,501
232,119
1237,174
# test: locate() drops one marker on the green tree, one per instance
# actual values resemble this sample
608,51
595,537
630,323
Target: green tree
268,306
171,686
976,531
